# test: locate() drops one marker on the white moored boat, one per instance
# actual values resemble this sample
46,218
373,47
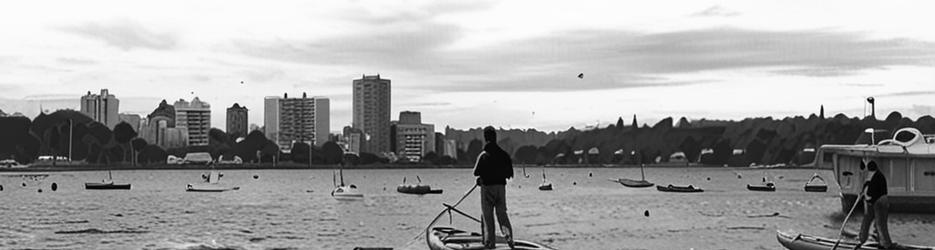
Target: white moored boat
211,184
345,192
907,160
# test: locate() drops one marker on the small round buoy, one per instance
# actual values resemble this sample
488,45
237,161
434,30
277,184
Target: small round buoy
1,187
709,178
646,213
590,174
739,176
256,176
384,188
574,183
54,186
24,184
40,190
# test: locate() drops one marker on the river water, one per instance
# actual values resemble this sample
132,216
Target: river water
293,209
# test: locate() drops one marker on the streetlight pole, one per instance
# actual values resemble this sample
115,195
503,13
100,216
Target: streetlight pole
71,125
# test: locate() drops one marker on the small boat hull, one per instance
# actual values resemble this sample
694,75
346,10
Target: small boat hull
346,193
797,241
105,186
816,188
417,189
545,187
447,238
679,189
208,187
633,183
769,187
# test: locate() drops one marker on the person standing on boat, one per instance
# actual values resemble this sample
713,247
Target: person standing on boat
876,206
492,169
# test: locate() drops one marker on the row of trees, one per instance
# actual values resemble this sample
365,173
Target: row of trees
51,134
754,140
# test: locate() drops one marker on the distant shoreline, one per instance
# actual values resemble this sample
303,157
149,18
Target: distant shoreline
290,165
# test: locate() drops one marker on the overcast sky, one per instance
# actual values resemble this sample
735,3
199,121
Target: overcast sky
476,63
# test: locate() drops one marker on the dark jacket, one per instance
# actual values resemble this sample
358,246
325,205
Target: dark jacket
876,187
493,165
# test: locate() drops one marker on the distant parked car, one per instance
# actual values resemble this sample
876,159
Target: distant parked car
171,159
49,158
10,163
198,157
235,160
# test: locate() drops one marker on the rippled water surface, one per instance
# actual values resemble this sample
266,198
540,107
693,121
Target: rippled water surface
293,209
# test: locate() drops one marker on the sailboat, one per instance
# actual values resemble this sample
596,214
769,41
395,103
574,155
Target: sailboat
635,183
106,183
211,183
344,192
546,185
767,185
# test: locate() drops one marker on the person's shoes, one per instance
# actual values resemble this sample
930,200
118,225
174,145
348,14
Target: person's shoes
509,241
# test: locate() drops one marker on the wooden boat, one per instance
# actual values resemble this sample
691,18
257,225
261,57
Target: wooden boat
211,184
449,238
907,160
417,189
679,189
768,187
797,241
816,184
106,184
633,183
641,183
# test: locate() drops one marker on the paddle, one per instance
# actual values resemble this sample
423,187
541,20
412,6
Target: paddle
840,235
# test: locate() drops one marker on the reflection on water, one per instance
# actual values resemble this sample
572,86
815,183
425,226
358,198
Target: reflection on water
293,209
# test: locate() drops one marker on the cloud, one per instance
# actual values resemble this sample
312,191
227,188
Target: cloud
907,93
124,34
716,11
76,61
610,58
863,84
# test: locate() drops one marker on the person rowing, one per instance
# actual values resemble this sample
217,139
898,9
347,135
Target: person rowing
876,207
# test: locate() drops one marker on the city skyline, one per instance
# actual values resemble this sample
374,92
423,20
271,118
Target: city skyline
467,65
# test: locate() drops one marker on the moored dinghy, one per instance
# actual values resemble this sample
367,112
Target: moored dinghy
106,184
211,183
546,185
816,184
679,189
345,192
416,188
767,185
641,183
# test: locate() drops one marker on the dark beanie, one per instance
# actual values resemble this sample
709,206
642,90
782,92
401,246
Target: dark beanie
872,166
490,134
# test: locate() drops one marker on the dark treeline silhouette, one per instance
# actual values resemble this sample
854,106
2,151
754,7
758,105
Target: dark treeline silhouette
92,142
737,143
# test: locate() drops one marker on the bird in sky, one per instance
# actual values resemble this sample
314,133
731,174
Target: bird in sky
581,76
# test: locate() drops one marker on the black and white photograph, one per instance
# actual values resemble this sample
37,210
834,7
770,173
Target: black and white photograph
456,125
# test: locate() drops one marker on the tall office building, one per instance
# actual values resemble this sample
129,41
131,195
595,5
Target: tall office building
291,120
159,128
194,116
101,108
372,112
271,117
413,138
237,121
